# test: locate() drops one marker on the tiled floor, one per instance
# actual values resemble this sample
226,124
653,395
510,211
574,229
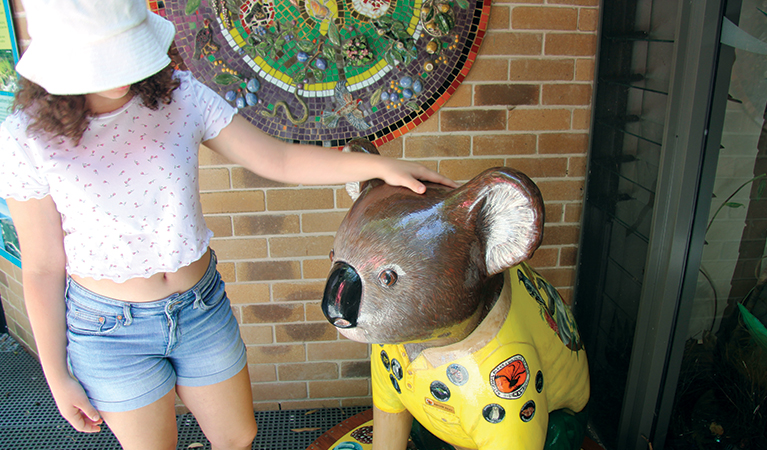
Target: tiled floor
29,419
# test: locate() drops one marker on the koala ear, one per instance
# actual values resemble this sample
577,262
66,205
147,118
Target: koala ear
355,188
509,216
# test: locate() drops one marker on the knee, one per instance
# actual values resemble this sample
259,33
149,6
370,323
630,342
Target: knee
242,438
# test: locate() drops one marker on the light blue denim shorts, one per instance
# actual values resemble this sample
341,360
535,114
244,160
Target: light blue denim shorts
129,355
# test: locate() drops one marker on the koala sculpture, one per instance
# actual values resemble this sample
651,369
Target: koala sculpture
466,337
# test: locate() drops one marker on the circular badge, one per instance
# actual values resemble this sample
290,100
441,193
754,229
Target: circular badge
457,374
396,369
527,412
385,359
395,383
509,379
440,391
493,413
539,381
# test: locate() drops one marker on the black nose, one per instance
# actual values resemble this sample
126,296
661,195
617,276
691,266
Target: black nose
343,292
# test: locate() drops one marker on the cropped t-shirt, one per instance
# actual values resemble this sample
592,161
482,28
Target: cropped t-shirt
128,194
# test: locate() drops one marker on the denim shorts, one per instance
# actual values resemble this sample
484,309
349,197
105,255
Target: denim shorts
128,355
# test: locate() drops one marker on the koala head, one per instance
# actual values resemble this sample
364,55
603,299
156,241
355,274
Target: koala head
423,268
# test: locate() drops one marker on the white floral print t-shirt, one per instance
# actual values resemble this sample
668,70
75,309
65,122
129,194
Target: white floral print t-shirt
128,194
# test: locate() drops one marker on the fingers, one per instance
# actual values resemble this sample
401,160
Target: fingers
410,175
440,179
429,175
81,414
82,422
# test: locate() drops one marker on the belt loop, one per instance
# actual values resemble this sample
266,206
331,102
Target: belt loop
197,298
127,314
66,289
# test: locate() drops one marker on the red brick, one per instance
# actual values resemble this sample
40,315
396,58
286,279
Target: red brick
571,44
272,313
563,143
561,235
554,190
306,332
437,146
541,69
544,18
339,388
268,270
504,144
506,94
566,94
508,43
263,354
308,371
539,167
473,120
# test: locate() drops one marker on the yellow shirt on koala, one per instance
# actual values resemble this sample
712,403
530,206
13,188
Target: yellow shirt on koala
499,395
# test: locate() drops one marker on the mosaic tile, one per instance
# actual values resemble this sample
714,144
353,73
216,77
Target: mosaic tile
323,65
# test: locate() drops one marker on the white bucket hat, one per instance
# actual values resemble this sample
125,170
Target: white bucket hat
87,46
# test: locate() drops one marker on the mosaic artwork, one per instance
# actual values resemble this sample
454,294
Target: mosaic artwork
324,72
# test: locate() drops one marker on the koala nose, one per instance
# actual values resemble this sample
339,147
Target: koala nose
343,292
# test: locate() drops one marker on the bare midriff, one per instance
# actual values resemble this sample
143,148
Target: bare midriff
156,287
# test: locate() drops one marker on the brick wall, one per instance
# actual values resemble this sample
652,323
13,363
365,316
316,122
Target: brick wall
525,104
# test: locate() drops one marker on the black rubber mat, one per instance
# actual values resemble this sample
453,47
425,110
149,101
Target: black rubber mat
29,419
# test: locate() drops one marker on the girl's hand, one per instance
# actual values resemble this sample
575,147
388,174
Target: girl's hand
410,174
75,407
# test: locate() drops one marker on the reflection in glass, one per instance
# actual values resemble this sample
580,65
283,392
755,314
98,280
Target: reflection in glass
721,399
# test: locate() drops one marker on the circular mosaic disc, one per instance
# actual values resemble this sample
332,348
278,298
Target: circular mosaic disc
356,431
324,72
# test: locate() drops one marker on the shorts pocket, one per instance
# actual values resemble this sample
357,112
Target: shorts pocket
214,296
90,323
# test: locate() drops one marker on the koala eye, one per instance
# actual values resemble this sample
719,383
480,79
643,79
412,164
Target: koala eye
388,277
331,255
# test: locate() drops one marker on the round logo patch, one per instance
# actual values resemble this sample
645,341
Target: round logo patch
440,391
385,359
396,369
457,374
539,381
509,379
493,413
395,383
527,412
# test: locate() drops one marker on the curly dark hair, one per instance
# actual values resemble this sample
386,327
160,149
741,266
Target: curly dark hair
67,116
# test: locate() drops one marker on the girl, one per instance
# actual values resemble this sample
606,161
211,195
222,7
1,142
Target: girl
99,165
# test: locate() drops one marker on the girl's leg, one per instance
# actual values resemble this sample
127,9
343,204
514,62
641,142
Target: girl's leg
152,427
224,411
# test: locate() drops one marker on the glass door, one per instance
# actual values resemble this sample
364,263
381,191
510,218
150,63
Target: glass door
721,394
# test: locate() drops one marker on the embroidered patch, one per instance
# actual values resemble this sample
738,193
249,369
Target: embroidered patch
531,290
440,391
509,379
385,360
396,369
395,383
493,413
527,412
539,381
443,407
457,374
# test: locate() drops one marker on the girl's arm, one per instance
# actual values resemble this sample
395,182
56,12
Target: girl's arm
41,238
245,144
